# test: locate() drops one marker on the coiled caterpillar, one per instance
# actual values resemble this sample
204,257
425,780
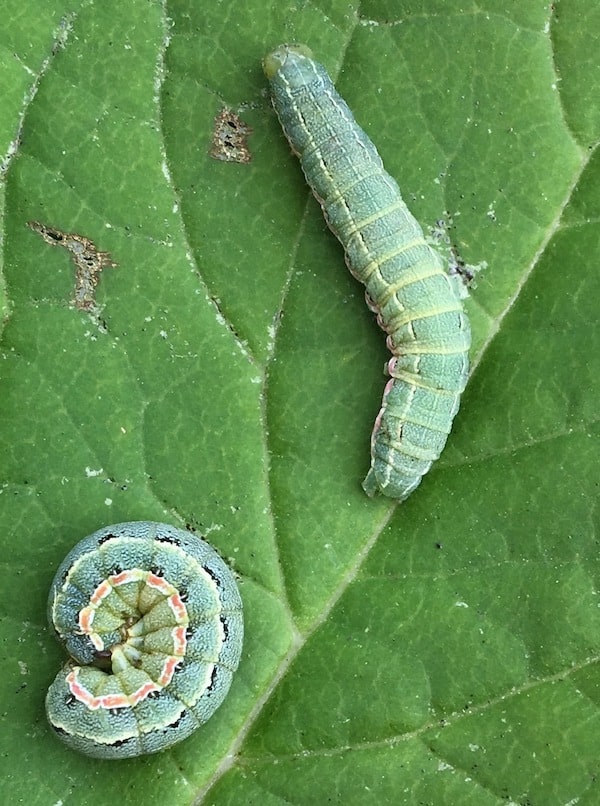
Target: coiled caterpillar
406,285
152,619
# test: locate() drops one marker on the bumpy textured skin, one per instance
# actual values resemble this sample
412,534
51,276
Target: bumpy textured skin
152,619
406,285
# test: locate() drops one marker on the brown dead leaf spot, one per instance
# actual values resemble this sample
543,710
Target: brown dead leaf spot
88,259
229,138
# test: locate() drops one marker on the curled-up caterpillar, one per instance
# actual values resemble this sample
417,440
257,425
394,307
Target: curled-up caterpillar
406,285
152,620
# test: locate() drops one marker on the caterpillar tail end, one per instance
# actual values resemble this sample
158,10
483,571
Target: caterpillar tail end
370,485
399,488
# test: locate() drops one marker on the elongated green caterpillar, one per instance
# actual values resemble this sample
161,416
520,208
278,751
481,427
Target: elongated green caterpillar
152,619
406,285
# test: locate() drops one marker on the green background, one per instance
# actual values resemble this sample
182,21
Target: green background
444,651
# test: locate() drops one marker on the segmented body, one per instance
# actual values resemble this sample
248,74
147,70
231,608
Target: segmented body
152,619
406,285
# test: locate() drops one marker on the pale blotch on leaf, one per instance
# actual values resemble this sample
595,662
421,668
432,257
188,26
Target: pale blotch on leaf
460,271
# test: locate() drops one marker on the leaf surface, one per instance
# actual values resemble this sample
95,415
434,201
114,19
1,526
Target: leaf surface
227,378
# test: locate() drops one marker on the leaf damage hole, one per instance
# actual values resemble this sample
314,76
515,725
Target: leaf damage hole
230,134
88,259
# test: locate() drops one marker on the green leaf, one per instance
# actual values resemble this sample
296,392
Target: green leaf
228,375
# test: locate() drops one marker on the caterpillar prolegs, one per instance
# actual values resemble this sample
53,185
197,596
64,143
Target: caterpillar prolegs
406,285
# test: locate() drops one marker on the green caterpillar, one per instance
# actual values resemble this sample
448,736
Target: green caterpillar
406,285
152,620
